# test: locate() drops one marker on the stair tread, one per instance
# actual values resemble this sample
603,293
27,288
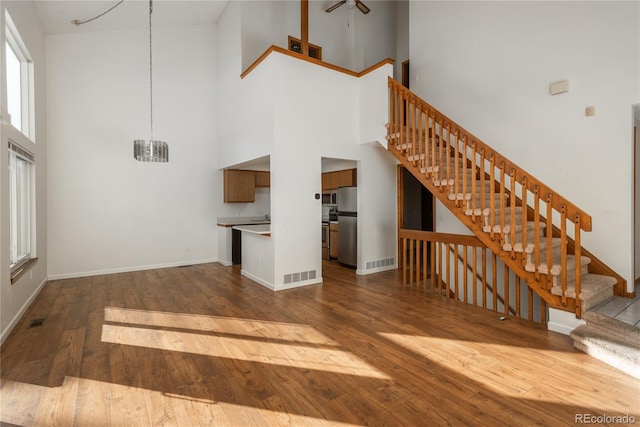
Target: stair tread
591,285
611,325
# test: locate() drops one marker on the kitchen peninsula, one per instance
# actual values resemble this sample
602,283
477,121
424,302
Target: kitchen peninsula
256,253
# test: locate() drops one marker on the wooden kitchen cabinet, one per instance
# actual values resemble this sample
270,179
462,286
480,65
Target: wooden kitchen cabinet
326,184
239,186
347,178
337,179
333,240
263,179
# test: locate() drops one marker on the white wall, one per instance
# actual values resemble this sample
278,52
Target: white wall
402,37
108,212
488,66
308,95
15,298
347,37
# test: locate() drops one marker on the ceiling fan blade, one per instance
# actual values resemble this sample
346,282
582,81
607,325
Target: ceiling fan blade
335,6
364,9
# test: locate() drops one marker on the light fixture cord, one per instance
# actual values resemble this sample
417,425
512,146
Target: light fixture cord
78,22
150,72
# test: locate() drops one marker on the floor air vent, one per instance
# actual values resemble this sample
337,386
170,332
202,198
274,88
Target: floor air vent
35,323
380,263
299,277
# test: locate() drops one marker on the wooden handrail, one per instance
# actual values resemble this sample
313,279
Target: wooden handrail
531,182
328,65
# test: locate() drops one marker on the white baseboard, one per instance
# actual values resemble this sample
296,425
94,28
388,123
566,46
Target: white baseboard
562,321
21,312
225,263
129,269
376,270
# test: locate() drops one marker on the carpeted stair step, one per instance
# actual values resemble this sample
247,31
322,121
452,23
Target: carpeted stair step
496,219
594,288
555,266
612,326
516,241
610,346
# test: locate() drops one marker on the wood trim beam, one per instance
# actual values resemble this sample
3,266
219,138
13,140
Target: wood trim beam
304,27
283,51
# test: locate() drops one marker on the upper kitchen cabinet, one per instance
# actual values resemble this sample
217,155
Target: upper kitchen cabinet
263,179
239,186
337,179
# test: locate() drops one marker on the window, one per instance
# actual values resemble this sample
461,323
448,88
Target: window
20,205
19,72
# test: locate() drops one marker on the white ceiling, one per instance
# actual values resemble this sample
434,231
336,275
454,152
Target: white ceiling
56,15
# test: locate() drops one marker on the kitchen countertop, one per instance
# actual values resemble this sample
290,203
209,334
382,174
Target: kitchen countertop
242,220
263,229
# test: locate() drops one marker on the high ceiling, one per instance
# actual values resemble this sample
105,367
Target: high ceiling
56,16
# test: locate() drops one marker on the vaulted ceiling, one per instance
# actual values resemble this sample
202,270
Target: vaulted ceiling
56,16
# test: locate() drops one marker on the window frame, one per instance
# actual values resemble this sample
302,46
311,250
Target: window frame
15,152
27,98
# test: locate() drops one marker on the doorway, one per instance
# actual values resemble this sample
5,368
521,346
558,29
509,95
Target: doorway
416,207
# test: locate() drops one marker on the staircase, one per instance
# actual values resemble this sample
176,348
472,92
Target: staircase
523,221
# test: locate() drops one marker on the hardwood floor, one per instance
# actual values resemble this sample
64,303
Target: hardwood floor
202,345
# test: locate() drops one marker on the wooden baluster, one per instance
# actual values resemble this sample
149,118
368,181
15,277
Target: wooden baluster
439,137
464,166
536,231
455,271
391,113
420,141
474,276
448,262
512,203
492,207
502,205
414,120
411,253
418,257
549,232
432,141
517,296
473,181
482,181
440,269
433,267
398,118
484,277
563,251
407,135
456,167
524,219
507,284
465,248
578,255
447,154
404,264
425,265
494,270
530,303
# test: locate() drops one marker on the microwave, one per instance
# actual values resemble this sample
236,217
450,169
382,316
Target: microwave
330,198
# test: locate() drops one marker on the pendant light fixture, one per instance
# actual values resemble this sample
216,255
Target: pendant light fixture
150,150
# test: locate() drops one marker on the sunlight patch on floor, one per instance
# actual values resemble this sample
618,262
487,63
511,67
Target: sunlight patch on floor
291,355
106,404
223,325
515,371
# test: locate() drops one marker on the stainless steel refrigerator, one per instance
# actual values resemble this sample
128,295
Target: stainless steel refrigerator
348,226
